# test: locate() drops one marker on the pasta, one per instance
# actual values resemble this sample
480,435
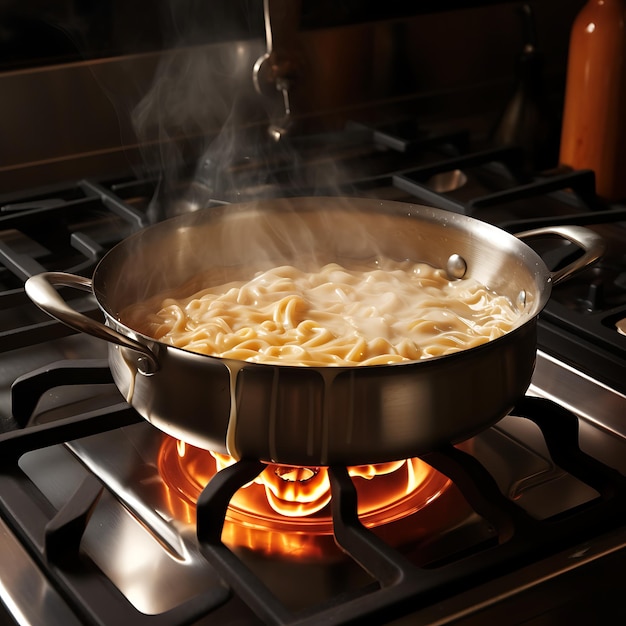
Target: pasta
383,313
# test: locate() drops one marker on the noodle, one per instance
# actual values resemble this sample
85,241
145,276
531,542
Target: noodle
335,316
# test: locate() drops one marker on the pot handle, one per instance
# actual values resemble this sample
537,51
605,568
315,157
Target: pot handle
591,243
41,290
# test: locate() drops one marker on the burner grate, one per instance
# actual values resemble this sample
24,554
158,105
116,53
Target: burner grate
402,586
67,229
54,537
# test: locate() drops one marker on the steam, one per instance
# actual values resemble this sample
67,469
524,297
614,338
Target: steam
191,121
189,116
203,128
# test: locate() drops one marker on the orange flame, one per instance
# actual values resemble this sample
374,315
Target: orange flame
285,509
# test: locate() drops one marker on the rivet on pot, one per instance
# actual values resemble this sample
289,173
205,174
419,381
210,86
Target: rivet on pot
521,299
456,266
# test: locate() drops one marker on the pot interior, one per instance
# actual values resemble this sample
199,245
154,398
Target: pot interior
233,242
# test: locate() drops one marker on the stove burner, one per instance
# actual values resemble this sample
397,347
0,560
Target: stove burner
285,511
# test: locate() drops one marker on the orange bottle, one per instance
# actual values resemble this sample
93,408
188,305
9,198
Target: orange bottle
593,134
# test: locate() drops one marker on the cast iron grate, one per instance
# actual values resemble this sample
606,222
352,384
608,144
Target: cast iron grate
53,537
58,229
403,587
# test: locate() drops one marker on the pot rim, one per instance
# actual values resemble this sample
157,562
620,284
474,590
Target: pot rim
484,231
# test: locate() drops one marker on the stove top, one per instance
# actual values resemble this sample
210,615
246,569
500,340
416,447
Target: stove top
535,505
538,498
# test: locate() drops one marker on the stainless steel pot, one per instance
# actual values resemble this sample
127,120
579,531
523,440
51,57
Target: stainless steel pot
316,415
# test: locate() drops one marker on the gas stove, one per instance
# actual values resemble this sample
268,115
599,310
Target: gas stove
99,530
